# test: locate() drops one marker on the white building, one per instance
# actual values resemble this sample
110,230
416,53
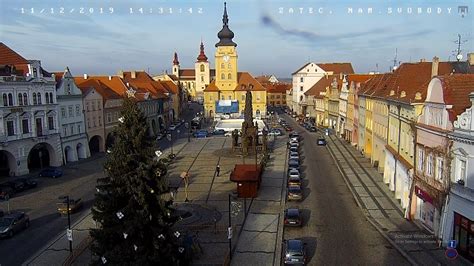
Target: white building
305,77
71,118
29,136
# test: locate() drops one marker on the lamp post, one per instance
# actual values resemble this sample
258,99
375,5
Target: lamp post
68,221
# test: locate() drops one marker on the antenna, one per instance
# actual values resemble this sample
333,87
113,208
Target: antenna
376,67
458,52
395,59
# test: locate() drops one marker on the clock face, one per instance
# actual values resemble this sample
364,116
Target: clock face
226,58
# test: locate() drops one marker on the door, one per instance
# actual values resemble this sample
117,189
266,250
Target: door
39,127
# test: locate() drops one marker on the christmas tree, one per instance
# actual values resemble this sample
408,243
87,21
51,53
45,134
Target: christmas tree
134,221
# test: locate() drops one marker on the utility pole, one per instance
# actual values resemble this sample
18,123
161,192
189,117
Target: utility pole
458,52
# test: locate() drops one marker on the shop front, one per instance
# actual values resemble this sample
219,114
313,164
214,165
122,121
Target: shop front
463,233
425,210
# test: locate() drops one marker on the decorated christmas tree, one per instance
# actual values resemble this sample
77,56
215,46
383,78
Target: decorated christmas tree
134,221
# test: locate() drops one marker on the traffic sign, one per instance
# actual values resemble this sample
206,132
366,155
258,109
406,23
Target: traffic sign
452,244
229,233
69,234
451,253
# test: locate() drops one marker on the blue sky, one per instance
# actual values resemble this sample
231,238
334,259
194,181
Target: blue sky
270,38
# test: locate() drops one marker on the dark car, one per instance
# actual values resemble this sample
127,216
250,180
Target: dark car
292,163
292,217
219,132
11,224
294,181
295,252
295,135
74,205
53,172
16,186
312,129
288,128
294,193
27,182
201,134
293,149
321,142
6,192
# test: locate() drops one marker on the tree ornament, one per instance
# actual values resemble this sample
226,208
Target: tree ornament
120,215
161,236
125,235
181,249
135,247
104,260
177,234
121,119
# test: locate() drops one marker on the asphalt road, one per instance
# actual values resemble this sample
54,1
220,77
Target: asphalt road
334,227
78,181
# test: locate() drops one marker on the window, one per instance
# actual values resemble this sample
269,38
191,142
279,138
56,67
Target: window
34,98
79,129
222,76
10,128
20,99
70,111
25,98
88,123
301,79
272,96
99,105
100,120
230,97
202,78
258,96
24,126
35,72
301,88
68,89
109,118
229,66
78,110
50,123
93,106
5,101
87,106
51,97
461,175
421,159
64,131
429,165
47,97
222,97
301,98
222,65
63,112
10,99
202,67
72,129
439,168
243,97
229,76
39,98
257,112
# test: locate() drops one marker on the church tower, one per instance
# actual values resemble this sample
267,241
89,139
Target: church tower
201,70
176,65
226,59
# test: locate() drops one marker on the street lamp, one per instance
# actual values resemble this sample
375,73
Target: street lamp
69,232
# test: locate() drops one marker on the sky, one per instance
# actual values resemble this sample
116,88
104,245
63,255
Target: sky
273,37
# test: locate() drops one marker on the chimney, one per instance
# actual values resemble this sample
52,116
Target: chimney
340,75
85,76
434,66
422,60
120,73
134,74
110,77
470,58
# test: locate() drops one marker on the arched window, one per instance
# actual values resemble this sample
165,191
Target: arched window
39,98
257,112
51,97
25,99
34,98
5,101
10,99
47,98
222,66
301,98
222,76
20,99
229,76
202,67
229,66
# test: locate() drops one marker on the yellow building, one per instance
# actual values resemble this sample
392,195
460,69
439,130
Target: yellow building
225,96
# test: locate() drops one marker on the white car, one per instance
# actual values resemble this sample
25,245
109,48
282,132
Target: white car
293,153
293,173
294,157
294,144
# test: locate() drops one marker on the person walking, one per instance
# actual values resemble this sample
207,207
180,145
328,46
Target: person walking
218,169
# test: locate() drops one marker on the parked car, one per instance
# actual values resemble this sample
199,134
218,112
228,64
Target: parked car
27,182
173,127
294,143
15,186
13,223
53,172
275,132
201,134
219,132
312,129
295,134
292,217
160,136
293,149
295,252
74,205
292,163
293,153
322,141
288,128
294,181
294,156
293,172
294,193
6,192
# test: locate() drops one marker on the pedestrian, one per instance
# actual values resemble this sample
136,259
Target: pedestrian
218,169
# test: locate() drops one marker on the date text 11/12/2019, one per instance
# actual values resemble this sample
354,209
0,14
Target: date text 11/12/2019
112,10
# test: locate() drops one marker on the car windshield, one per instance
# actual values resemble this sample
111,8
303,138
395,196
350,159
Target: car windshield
295,247
294,189
293,213
294,172
6,221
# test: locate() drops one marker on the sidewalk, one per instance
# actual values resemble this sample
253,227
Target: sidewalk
383,211
261,239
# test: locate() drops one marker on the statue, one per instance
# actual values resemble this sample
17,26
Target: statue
249,130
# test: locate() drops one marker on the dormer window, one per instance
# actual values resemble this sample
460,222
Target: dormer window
35,72
392,92
403,94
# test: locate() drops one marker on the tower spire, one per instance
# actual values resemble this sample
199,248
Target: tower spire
202,56
225,35
175,59
225,18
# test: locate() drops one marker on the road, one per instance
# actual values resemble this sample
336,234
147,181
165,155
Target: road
334,227
78,181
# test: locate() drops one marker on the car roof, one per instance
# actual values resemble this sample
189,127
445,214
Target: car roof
15,214
294,188
294,244
292,211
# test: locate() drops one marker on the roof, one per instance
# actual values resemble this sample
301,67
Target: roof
187,73
320,86
115,83
456,90
173,77
245,78
211,87
107,93
413,78
277,87
245,172
170,86
378,86
144,83
336,68
10,57
58,76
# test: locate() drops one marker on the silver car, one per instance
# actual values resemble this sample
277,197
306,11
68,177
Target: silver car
295,252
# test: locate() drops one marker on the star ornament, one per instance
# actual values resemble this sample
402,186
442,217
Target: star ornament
131,93
177,234
121,119
135,247
125,235
104,260
161,236
181,249
120,215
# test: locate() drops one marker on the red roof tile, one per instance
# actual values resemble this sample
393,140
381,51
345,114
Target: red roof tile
245,78
336,68
186,73
456,90
320,86
211,87
10,57
277,87
86,85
